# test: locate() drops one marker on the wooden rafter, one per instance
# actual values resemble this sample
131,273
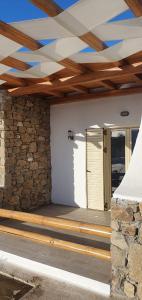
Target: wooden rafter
92,77
15,63
50,8
12,80
135,6
80,89
18,36
97,95
109,84
75,67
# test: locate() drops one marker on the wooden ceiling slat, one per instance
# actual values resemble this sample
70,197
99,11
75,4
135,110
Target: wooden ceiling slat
135,6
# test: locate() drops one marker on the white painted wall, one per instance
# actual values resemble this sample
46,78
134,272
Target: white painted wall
68,158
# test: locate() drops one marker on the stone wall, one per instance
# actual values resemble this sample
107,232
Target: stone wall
127,249
24,152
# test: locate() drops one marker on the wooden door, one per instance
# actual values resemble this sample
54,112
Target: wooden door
95,169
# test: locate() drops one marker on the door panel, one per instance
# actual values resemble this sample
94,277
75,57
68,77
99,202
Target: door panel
95,161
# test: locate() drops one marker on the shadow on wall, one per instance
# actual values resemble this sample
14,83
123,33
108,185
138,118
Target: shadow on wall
71,179
69,171
24,152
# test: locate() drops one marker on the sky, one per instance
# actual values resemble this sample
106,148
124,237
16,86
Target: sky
19,10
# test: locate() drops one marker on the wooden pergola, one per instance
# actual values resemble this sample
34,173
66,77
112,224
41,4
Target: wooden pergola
75,81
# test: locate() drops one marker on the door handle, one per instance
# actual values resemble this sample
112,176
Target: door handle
88,171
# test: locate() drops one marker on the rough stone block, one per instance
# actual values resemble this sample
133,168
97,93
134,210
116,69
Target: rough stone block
129,289
129,229
135,262
118,240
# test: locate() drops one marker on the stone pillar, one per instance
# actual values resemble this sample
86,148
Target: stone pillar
2,149
25,182
126,249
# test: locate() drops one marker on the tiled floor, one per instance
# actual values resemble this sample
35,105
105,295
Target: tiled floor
72,262
79,214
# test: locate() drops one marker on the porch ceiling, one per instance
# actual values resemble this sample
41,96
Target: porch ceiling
89,53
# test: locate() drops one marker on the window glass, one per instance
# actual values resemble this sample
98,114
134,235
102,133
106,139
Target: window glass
134,133
117,157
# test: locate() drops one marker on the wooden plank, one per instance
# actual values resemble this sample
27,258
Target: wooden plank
56,243
135,6
15,63
70,225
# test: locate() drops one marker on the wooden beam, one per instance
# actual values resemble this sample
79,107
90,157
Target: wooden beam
56,94
75,67
93,41
56,243
18,36
135,6
109,84
59,223
80,89
13,80
97,95
92,77
49,7
15,63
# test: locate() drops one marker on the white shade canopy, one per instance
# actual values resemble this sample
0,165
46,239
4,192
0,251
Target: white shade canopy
63,38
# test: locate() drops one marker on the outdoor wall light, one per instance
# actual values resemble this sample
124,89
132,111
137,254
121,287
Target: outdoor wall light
124,113
70,135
